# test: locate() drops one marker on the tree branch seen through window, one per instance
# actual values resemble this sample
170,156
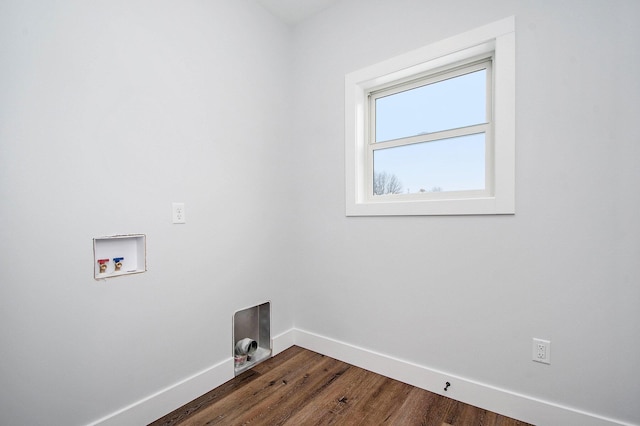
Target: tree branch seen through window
385,183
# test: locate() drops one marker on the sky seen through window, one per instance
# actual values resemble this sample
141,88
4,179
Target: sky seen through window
453,164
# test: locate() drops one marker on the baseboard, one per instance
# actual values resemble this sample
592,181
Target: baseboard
175,396
165,401
489,397
481,395
283,341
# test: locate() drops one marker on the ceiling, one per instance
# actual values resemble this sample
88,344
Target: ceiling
294,11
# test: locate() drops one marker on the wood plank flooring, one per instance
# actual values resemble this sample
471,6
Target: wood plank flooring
301,387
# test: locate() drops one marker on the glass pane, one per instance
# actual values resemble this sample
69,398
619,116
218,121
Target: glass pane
448,104
455,164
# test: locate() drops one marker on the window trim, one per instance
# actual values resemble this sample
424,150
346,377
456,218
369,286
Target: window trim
496,39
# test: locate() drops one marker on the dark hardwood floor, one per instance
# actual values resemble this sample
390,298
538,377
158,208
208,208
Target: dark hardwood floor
301,387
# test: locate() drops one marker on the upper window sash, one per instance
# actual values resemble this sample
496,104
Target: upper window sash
378,93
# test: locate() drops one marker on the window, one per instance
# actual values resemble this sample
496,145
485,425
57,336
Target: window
432,131
430,135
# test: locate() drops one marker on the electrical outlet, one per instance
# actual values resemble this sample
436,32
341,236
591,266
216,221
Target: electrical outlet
178,213
541,351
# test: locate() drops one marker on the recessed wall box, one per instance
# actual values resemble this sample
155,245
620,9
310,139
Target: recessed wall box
119,255
251,336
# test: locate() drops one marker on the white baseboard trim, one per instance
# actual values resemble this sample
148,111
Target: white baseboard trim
165,401
175,396
505,402
283,341
502,401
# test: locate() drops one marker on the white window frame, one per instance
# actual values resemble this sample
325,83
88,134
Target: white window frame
434,76
495,40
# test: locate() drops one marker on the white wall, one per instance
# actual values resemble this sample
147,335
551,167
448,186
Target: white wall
110,111
465,295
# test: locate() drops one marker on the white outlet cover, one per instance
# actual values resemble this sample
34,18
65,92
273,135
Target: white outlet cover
541,351
178,213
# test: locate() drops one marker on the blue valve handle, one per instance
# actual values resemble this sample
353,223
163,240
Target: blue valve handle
118,259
